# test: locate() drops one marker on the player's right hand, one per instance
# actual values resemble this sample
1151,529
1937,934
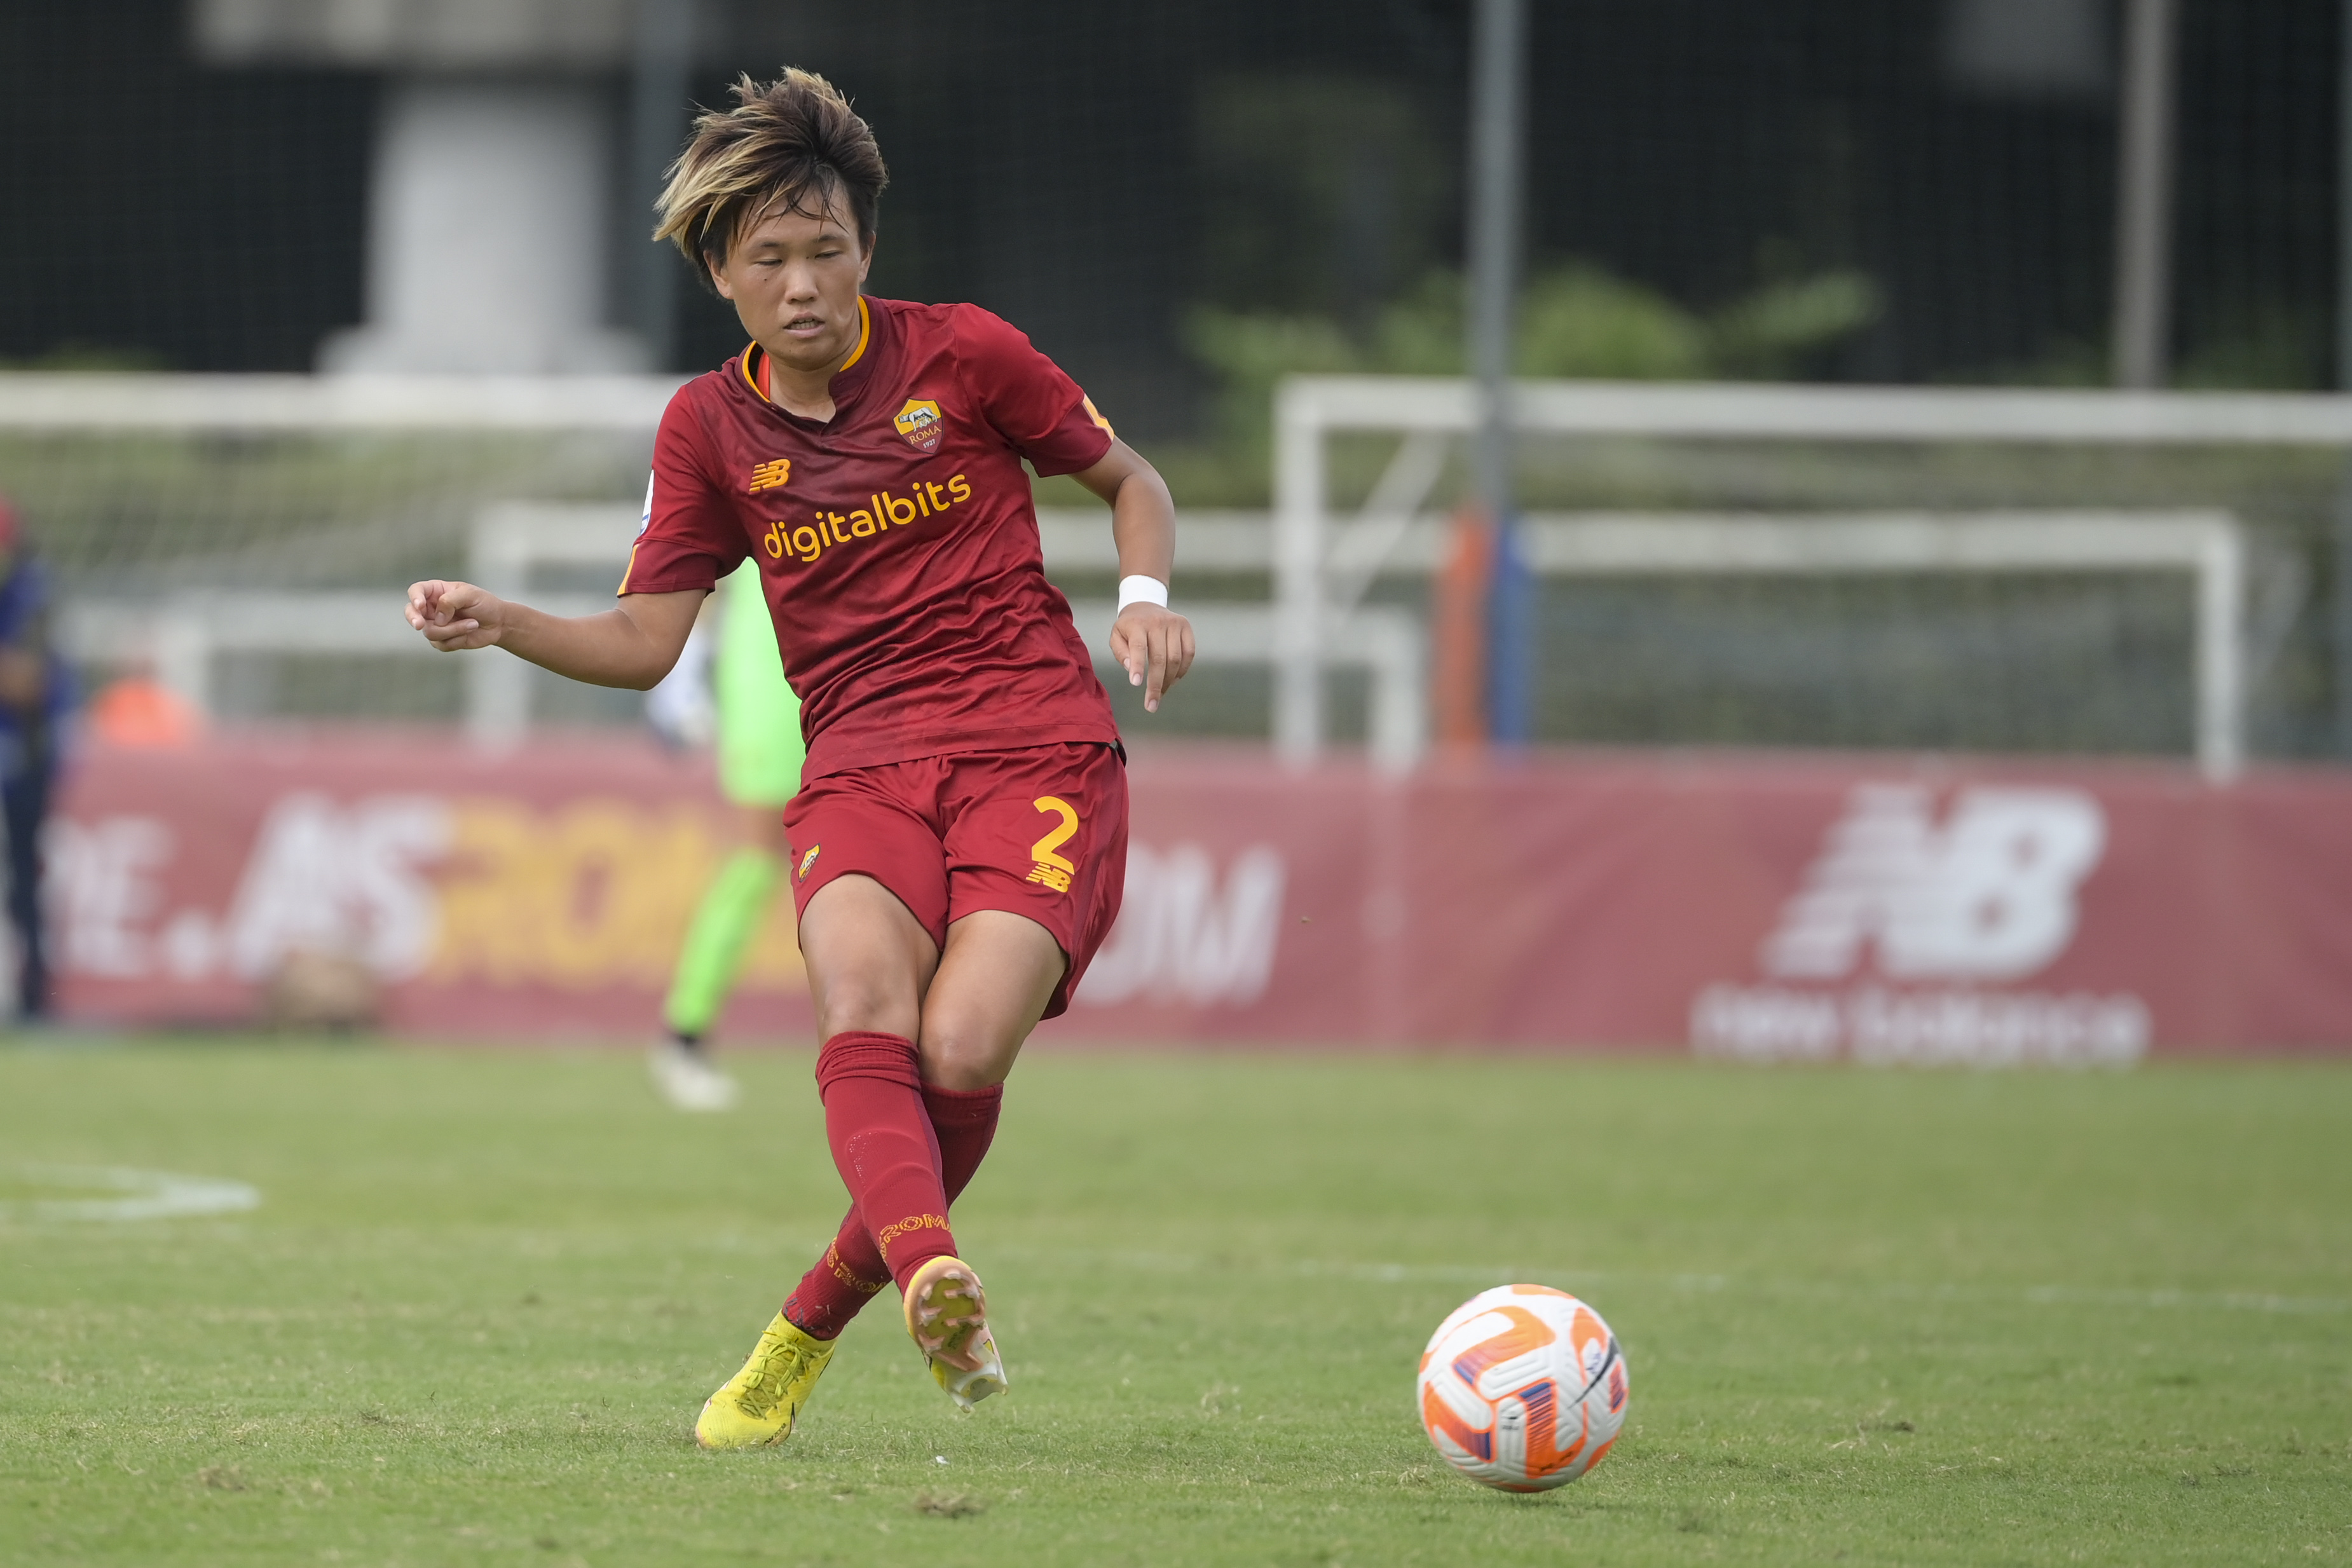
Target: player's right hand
455,615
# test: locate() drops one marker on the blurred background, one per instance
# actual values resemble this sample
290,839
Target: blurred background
1182,205
1124,180
304,300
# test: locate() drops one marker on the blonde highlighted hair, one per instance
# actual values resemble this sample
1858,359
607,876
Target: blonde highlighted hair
793,144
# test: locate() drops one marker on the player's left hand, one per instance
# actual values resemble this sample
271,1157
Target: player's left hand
1155,643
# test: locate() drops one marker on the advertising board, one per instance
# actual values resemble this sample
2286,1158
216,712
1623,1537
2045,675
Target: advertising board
1761,907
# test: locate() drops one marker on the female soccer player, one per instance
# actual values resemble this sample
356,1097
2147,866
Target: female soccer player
960,838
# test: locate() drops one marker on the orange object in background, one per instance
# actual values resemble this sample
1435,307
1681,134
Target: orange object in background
1458,681
139,710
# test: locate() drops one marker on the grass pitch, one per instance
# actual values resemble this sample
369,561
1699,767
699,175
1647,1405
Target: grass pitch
1871,1317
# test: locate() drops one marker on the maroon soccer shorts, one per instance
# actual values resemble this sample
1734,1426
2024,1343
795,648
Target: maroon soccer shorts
1040,832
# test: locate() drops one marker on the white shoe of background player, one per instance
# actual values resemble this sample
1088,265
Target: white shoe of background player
688,1080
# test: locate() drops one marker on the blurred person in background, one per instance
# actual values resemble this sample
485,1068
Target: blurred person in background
35,695
728,684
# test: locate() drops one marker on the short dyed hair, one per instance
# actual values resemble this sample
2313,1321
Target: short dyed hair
793,143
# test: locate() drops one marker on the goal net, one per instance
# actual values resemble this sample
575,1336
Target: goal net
248,536
2023,572
2001,572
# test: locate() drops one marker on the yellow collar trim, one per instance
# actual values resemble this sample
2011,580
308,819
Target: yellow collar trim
864,336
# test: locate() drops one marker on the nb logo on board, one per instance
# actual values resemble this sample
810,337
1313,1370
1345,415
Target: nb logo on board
1908,928
1988,895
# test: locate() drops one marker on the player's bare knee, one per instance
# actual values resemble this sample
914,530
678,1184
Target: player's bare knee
867,1002
958,1054
963,1068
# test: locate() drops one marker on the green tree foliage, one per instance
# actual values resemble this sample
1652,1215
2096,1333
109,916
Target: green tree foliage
1577,321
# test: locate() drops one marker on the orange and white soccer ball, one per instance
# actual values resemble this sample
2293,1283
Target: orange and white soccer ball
1523,1388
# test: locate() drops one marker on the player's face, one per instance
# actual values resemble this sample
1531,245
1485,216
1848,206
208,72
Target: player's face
794,279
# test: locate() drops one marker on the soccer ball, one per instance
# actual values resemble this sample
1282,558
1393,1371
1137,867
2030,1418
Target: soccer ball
1523,1388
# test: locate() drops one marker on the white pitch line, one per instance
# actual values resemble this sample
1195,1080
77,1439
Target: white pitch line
147,1195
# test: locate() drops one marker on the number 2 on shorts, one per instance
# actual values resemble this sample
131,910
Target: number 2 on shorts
1050,869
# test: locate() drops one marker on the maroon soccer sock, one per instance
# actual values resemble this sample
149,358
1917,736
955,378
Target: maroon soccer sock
884,1147
963,1122
831,1292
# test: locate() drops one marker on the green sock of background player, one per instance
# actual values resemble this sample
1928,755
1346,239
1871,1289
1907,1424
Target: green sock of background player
734,908
760,756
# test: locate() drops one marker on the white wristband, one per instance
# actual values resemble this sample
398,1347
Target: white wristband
1143,591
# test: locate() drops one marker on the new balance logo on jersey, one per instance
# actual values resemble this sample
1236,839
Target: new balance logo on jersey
772,476
1987,895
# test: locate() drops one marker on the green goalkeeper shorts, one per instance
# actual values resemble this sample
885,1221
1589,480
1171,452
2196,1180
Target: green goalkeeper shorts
759,745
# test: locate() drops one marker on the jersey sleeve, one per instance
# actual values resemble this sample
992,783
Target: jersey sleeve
1026,397
688,537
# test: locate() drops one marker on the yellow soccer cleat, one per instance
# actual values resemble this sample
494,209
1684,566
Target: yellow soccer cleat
757,1405
947,1317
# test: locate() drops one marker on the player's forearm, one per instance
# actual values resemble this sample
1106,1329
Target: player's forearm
603,650
1143,525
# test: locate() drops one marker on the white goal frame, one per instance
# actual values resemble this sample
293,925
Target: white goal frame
1321,563
183,634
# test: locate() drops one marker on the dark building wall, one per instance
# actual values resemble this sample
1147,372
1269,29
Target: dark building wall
198,219
2260,209
1701,147
1050,158
1096,172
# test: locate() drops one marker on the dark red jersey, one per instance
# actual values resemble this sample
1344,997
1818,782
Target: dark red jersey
897,543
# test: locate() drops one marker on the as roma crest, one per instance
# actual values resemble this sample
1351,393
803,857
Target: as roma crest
918,422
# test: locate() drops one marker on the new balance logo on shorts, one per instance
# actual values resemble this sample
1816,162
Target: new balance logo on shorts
1047,867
